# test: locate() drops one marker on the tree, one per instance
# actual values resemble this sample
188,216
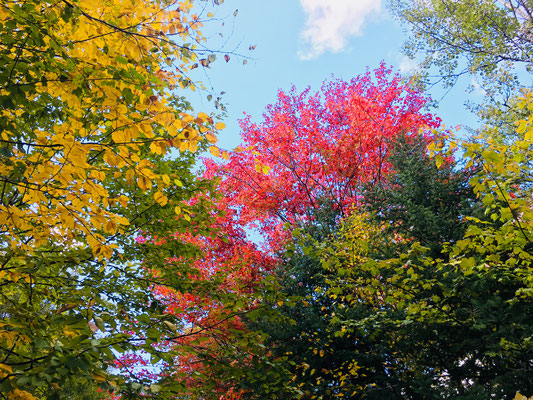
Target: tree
419,200
318,361
339,341
378,314
216,355
309,149
319,147
489,39
455,323
487,33
91,107
309,152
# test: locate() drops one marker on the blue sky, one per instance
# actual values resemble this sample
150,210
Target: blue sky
304,42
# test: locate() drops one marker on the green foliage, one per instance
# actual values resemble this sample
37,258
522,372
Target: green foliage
458,319
304,339
340,334
489,39
380,315
89,110
420,201
73,390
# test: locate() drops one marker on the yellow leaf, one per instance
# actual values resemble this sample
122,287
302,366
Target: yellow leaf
122,220
118,136
98,377
129,176
529,135
184,146
172,130
214,151
141,183
154,148
5,370
111,226
438,161
18,394
521,126
211,138
220,125
177,210
146,128
144,183
203,116
160,198
186,118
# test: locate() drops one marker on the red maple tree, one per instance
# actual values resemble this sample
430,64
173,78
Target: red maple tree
308,148
315,147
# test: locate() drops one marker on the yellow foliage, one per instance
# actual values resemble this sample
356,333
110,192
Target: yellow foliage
215,151
503,185
358,236
90,104
18,394
5,370
519,396
104,115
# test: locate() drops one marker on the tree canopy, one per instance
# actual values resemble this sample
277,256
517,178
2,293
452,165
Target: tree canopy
97,146
393,259
489,35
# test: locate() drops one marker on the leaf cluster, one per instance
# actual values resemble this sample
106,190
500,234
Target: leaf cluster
97,163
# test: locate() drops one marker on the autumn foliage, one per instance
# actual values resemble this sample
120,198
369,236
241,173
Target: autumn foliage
208,327
124,271
91,102
309,149
315,147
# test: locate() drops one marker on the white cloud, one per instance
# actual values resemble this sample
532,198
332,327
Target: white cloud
408,66
331,22
476,87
